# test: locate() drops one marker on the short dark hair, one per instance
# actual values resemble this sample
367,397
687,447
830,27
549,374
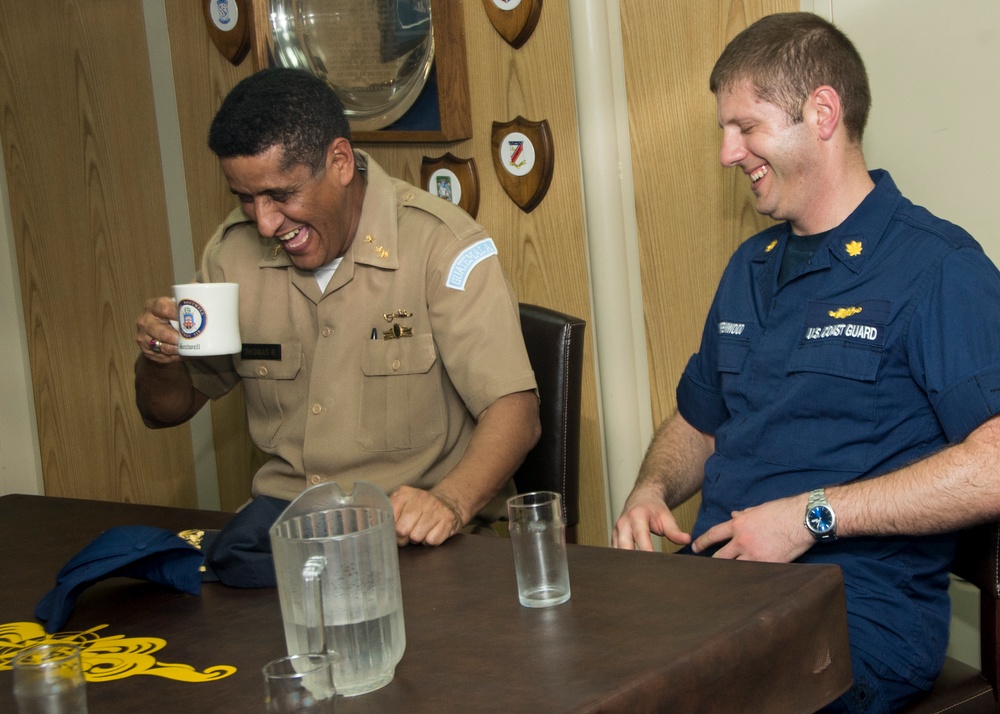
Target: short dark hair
291,108
788,55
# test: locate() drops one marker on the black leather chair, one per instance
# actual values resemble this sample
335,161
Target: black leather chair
555,348
961,689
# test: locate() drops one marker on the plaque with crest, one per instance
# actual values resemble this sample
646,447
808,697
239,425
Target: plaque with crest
524,159
515,20
452,179
228,23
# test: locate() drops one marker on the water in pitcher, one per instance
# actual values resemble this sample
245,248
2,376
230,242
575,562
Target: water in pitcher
367,652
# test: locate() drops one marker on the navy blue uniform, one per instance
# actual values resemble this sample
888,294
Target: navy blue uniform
881,350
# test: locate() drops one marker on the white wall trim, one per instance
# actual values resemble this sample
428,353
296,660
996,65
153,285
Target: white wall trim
612,241
20,454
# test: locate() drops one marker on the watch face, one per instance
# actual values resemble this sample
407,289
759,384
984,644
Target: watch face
820,519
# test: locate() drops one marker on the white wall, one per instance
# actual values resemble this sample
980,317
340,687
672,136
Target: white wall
933,67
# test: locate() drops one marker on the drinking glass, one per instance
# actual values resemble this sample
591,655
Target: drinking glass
538,533
48,679
300,684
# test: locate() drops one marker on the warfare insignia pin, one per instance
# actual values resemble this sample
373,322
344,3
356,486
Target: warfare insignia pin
844,312
401,312
397,331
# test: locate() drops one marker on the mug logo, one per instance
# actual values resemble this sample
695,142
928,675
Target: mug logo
192,319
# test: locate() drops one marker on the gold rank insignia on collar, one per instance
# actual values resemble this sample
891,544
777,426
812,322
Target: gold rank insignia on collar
379,250
771,246
854,248
277,249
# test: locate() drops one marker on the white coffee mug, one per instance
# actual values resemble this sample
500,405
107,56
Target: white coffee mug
208,319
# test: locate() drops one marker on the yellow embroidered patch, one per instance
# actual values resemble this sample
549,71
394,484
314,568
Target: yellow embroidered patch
105,658
854,248
844,312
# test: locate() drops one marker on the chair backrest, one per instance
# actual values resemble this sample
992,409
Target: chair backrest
555,348
961,689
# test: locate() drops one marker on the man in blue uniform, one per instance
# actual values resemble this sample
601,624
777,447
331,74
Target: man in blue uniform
841,407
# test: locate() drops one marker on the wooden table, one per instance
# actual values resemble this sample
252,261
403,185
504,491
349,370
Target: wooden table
643,632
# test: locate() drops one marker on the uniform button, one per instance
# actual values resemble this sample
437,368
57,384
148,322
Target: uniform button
316,409
262,371
395,365
314,479
327,331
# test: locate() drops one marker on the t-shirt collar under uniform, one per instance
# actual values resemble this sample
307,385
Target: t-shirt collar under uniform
854,240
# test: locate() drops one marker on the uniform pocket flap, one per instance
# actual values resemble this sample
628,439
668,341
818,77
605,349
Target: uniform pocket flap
404,355
838,359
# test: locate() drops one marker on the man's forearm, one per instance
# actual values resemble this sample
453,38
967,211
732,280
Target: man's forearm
674,464
165,394
505,433
957,487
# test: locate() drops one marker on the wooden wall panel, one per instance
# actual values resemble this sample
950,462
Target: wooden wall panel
86,197
692,213
202,78
544,252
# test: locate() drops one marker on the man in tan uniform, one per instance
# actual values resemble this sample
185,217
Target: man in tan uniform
381,340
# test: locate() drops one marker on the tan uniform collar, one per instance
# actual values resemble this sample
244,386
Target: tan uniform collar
375,242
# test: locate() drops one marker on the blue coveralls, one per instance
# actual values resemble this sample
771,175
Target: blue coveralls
884,349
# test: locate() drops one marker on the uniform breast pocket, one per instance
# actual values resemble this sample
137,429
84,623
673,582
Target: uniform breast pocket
732,358
829,405
268,387
402,399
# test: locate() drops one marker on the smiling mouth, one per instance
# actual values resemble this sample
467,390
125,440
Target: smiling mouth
758,173
294,238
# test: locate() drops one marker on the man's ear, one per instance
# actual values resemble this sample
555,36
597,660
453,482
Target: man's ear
340,160
825,102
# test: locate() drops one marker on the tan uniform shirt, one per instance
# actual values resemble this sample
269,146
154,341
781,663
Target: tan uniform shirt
380,378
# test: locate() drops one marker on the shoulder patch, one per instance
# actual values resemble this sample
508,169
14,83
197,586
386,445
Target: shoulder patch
468,259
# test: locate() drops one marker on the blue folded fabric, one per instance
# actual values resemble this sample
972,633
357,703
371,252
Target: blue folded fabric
240,555
142,552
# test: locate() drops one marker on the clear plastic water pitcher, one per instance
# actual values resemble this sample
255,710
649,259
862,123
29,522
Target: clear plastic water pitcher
337,566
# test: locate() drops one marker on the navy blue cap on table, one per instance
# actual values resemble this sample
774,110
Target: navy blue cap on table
238,555
142,552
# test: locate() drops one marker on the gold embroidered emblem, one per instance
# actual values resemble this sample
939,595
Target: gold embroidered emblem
771,246
844,312
382,252
368,238
105,658
854,248
277,249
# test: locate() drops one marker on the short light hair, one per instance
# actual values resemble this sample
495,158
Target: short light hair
786,56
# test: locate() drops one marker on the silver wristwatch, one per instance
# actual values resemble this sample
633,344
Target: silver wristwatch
820,519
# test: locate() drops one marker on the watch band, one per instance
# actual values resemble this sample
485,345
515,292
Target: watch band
820,519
